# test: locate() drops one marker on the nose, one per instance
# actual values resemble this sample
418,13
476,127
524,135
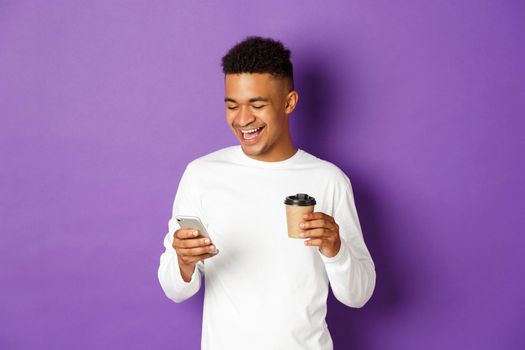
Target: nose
244,117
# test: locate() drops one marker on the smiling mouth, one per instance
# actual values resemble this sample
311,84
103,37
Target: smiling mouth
251,134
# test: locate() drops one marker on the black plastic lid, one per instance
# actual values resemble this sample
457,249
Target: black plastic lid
301,199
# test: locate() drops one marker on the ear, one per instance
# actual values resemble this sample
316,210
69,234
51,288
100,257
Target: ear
291,101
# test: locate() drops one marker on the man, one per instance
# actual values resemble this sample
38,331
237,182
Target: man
264,290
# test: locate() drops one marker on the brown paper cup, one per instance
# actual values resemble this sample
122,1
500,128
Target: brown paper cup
294,216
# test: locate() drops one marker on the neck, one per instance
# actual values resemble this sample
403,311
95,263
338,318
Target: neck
277,153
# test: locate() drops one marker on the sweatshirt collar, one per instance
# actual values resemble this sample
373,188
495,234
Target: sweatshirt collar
262,164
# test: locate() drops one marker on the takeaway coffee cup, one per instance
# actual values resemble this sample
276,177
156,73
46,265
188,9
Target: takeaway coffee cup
296,206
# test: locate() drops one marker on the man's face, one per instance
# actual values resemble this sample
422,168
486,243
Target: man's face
257,109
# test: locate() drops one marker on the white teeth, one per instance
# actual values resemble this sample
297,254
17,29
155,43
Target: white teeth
249,131
250,134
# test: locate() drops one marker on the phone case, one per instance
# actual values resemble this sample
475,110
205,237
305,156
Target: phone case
192,223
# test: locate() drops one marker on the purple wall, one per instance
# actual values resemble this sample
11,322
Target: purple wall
102,103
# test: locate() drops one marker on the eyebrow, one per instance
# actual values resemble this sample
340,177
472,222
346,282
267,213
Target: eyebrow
251,100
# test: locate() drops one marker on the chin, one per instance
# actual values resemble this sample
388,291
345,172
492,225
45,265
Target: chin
254,150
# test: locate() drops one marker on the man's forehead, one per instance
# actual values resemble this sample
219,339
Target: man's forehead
251,99
252,85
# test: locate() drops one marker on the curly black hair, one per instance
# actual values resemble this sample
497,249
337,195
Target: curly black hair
259,55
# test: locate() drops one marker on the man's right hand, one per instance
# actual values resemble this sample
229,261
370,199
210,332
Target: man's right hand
190,249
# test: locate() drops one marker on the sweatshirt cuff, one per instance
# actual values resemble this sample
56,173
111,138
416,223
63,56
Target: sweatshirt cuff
341,255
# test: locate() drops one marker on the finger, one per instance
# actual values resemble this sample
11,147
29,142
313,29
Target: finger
317,224
317,215
316,233
191,242
185,233
197,251
314,242
195,258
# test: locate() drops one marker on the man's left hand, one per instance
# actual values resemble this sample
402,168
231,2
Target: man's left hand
322,231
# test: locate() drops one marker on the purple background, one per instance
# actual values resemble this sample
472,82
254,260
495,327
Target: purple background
103,103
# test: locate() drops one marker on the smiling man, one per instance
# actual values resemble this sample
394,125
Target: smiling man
264,290
258,108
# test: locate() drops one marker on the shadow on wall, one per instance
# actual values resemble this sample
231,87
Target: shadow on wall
311,121
321,91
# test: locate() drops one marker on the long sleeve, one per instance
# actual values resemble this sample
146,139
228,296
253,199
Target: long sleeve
169,274
351,272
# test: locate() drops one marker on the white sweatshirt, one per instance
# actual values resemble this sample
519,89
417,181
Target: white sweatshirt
265,290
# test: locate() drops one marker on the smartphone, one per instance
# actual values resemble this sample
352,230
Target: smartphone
192,223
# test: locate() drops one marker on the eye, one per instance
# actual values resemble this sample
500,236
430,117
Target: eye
232,108
258,107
